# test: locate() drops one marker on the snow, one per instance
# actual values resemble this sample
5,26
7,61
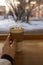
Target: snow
6,24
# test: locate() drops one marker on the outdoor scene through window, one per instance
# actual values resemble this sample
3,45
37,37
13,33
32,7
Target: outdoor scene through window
25,13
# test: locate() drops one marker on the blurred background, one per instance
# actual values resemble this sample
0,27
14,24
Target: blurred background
22,9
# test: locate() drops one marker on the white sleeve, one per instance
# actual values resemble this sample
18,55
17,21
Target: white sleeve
5,62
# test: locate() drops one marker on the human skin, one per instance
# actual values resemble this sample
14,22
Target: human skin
8,48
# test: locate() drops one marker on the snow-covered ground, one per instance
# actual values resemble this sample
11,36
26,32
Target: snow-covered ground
32,27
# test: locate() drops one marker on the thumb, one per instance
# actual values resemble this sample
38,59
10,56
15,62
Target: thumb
14,44
7,42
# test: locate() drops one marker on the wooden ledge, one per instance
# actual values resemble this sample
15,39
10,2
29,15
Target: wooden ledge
26,36
33,36
3,36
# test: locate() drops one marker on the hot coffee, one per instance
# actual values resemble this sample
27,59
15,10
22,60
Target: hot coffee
18,34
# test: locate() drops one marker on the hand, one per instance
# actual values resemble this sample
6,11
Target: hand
8,48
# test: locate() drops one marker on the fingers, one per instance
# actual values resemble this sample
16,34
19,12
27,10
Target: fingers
7,42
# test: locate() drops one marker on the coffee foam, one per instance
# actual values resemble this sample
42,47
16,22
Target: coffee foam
16,29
